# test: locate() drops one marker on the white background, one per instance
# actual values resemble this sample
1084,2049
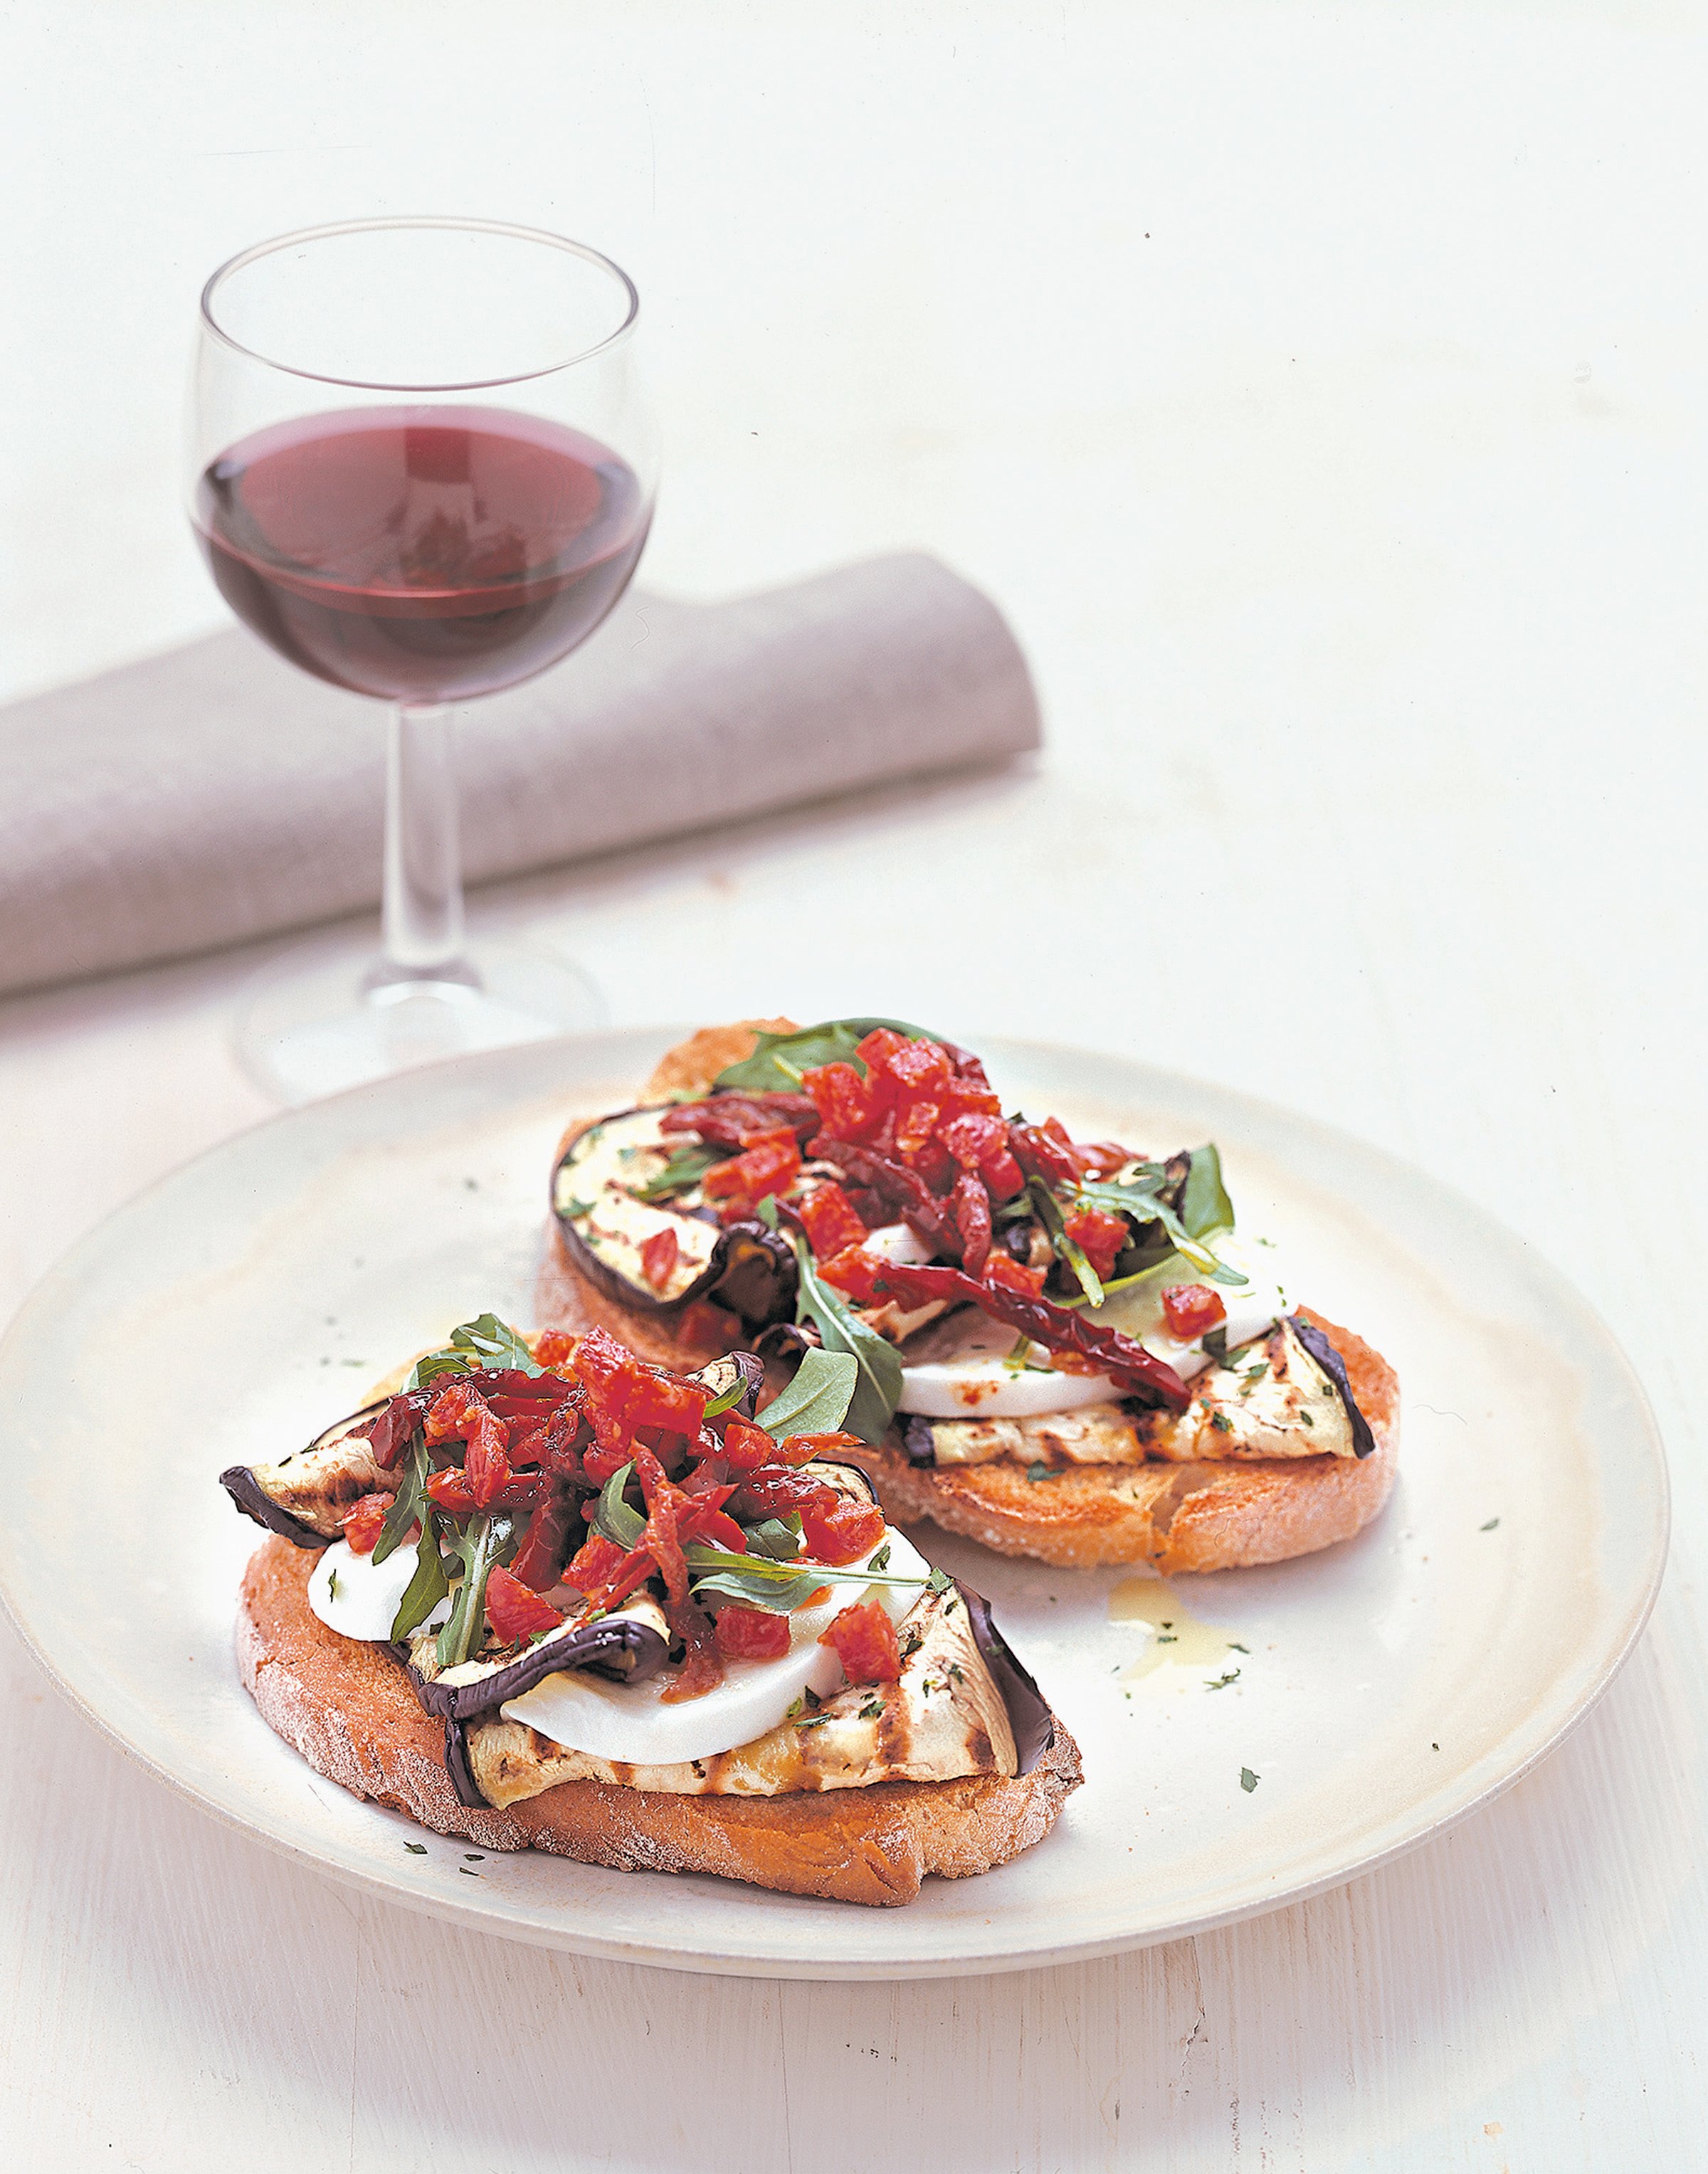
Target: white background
1320,393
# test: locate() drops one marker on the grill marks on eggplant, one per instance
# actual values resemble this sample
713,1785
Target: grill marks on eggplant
1276,1399
604,1225
304,1497
948,1716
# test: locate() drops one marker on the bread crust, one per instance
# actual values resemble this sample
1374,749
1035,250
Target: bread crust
1196,1517
348,1708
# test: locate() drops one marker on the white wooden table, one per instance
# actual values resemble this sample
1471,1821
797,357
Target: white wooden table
1322,399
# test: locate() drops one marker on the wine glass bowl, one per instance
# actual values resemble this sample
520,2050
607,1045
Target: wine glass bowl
422,466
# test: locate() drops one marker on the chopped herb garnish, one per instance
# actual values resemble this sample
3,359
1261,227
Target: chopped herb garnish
685,1168
1235,1646
938,1582
1222,1682
1489,1527
881,1559
1034,1473
1168,1638
1307,1419
466,1874
1221,1422
416,1848
475,1856
332,1584
573,1208
1248,1780
871,1712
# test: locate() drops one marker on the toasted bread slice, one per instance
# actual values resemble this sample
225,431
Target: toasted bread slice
1198,1516
348,1708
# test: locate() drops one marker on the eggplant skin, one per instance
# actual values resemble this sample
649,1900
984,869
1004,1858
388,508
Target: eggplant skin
615,1647
919,1441
1029,1715
304,1497
245,1490
1330,1360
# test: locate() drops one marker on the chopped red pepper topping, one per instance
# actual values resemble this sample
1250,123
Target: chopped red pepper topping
864,1639
857,1272
623,1392
844,1101
841,1530
771,1165
363,1521
751,1634
515,1610
658,1256
1190,1309
831,1220
1102,1237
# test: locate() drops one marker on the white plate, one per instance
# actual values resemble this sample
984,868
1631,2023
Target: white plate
1390,1685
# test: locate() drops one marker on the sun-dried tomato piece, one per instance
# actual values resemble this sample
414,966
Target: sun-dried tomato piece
538,1562
737,1120
746,1446
841,1530
916,1129
702,1667
515,1610
701,1522
771,1165
594,1562
1190,1309
962,1099
553,1346
971,1206
1102,1237
658,1256
774,1490
1041,1156
830,1221
855,1271
751,1634
1055,1327
864,1639
874,1050
363,1521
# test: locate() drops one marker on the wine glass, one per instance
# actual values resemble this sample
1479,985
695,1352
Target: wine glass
421,466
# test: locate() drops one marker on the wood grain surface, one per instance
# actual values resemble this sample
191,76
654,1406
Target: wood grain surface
1320,395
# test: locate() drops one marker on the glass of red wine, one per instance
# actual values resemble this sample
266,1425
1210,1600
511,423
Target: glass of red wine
422,466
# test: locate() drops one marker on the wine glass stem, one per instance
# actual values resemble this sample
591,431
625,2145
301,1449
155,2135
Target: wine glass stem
422,911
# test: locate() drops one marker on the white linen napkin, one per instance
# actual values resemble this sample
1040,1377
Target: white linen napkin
215,794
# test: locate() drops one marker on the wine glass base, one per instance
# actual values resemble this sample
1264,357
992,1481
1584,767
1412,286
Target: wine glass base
309,1028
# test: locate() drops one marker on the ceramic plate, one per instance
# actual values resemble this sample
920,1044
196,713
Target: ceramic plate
1376,1692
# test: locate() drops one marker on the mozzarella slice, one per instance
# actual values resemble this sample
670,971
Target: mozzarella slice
896,1242
981,1379
631,1725
354,1595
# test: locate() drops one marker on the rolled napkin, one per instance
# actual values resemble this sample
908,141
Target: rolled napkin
215,794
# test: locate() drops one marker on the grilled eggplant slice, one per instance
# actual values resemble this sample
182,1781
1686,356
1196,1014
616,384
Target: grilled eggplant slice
304,1496
624,1181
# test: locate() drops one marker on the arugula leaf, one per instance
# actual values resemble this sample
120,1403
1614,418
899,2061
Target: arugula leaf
1069,1248
817,1400
620,1523
1143,1201
765,1209
778,1060
878,1389
764,1594
487,1541
495,1344
406,1504
1205,1207
685,1167
777,1538
730,1398
430,1582
485,1341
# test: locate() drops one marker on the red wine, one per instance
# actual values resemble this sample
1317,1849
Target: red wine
423,555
